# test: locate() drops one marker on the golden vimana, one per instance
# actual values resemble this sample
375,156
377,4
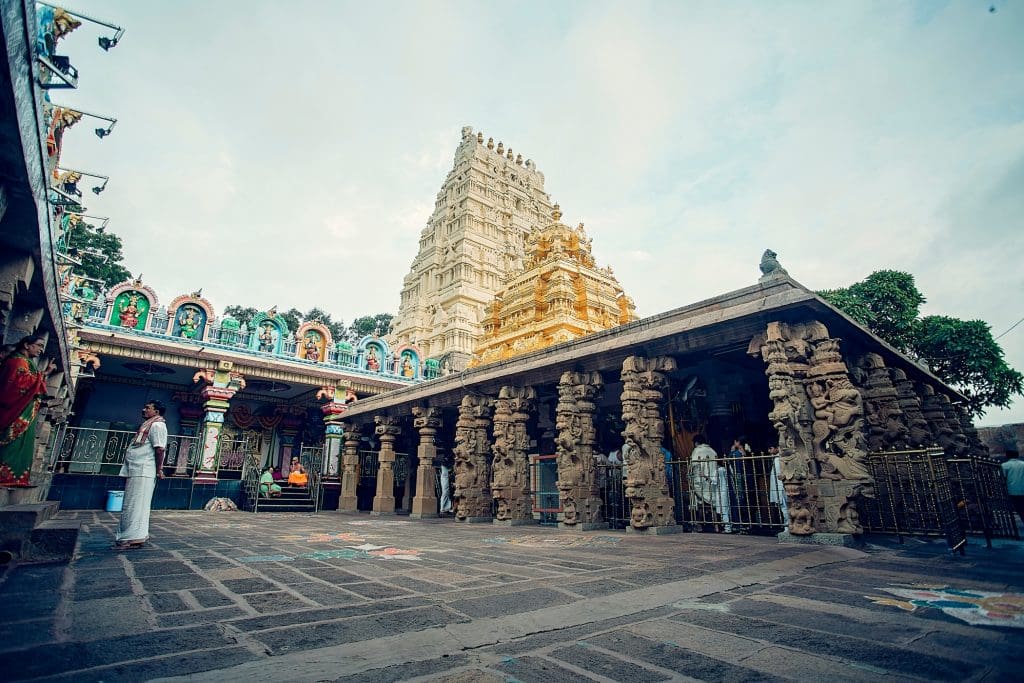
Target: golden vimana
559,295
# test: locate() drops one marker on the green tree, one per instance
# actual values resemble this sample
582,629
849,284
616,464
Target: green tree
887,302
100,254
337,328
379,324
293,318
243,315
961,353
964,354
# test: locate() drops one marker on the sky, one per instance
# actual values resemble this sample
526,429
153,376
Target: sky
289,153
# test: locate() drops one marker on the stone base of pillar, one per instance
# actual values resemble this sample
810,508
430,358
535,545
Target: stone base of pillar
583,526
422,515
382,513
655,530
513,522
348,504
475,520
843,540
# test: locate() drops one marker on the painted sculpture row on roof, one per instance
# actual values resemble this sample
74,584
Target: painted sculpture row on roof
190,318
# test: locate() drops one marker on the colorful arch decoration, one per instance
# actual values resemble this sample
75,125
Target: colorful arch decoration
312,340
268,332
372,354
407,361
189,316
129,304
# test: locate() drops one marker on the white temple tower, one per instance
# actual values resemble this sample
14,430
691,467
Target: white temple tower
473,243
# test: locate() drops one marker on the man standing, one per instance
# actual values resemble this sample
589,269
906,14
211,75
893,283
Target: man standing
143,465
1014,470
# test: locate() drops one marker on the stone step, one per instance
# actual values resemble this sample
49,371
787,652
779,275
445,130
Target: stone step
17,522
54,540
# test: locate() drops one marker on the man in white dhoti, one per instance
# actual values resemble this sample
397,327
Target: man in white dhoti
776,490
446,483
709,483
143,465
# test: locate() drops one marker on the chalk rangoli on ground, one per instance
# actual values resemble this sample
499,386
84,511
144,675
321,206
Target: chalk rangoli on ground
978,608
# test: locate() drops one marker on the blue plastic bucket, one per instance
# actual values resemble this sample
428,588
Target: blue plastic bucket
115,501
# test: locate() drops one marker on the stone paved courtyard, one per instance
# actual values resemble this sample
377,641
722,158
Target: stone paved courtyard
236,596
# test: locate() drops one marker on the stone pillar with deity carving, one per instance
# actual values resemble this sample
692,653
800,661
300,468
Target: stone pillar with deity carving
290,428
472,453
221,386
578,492
427,421
348,501
334,431
819,415
643,383
919,435
959,445
975,446
942,432
387,430
510,480
884,419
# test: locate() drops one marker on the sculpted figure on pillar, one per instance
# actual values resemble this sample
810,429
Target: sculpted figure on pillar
910,404
819,415
643,381
886,427
942,432
576,435
510,482
959,445
472,455
975,445
387,429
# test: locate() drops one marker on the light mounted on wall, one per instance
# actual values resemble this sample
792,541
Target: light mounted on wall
71,186
102,226
104,42
100,132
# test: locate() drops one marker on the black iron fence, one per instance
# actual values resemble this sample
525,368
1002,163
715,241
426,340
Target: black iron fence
981,497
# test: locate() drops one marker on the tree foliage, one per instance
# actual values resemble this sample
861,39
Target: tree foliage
360,327
379,324
100,254
962,353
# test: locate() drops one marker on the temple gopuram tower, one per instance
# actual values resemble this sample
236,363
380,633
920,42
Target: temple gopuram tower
558,295
474,242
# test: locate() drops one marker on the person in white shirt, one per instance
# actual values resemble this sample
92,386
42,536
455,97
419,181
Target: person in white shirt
143,465
1014,470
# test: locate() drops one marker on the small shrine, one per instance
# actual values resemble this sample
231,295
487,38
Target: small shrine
559,295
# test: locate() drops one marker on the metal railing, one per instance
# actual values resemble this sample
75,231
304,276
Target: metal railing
312,458
88,450
913,496
251,480
981,497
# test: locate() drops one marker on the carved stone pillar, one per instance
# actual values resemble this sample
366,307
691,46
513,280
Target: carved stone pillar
222,386
387,429
334,430
510,483
886,428
910,403
290,426
643,380
347,501
578,490
975,445
819,415
931,407
959,445
427,421
472,499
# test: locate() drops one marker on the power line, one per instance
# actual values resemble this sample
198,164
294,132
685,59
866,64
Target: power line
1011,328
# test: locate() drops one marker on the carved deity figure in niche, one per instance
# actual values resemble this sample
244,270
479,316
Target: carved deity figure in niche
372,362
407,367
129,311
312,346
187,323
267,337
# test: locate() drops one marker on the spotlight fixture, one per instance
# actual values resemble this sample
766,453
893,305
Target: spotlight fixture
102,226
72,187
100,132
104,42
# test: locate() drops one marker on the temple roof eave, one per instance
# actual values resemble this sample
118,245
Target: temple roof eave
697,328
